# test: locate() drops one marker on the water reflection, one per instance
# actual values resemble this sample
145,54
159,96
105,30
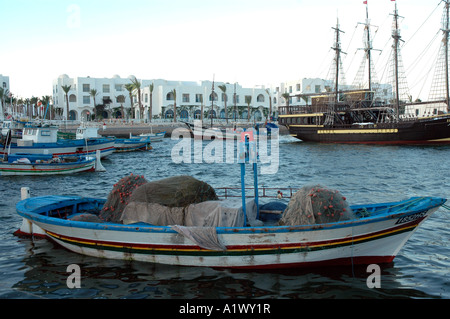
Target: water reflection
112,279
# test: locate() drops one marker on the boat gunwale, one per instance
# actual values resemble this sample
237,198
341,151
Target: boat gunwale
37,214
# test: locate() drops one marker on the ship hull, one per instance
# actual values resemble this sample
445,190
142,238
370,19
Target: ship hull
426,131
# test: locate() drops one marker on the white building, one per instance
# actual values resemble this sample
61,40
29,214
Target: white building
307,86
190,98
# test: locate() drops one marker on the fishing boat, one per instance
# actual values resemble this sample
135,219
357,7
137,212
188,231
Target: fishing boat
132,144
199,131
42,139
356,115
45,164
375,238
12,129
374,234
154,137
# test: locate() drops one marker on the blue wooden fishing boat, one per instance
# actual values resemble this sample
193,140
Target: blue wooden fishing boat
45,164
43,140
375,233
132,144
376,236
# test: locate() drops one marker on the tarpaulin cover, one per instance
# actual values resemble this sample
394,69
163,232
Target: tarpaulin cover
197,222
226,213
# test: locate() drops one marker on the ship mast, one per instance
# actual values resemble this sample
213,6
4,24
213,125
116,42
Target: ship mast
396,36
445,41
368,47
338,50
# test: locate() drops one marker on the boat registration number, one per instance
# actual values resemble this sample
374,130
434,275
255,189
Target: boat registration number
410,218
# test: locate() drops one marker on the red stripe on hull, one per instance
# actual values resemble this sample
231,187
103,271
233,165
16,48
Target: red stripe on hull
366,260
240,247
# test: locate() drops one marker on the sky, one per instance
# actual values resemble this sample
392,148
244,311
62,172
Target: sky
252,42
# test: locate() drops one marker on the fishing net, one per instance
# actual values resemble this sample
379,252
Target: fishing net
166,198
177,191
316,205
118,198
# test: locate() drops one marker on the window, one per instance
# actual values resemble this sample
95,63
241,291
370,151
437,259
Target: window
146,98
118,87
72,98
106,88
107,100
120,99
198,98
215,98
260,98
298,87
290,89
86,87
86,99
224,97
169,96
317,89
236,99
186,97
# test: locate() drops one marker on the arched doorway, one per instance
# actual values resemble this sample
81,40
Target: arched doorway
169,114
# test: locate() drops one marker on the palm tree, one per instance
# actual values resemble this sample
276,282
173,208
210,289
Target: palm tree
174,92
248,100
34,101
46,102
150,111
3,94
93,93
130,88
66,89
286,98
270,103
137,86
224,90
201,107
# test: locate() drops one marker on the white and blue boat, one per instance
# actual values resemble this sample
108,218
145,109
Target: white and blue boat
134,143
374,237
224,234
43,139
45,164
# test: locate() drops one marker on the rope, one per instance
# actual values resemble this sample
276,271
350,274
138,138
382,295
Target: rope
446,207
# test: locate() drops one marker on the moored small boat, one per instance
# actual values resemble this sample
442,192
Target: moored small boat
132,144
154,137
43,140
45,164
375,236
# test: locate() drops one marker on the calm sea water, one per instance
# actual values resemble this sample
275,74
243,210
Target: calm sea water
38,268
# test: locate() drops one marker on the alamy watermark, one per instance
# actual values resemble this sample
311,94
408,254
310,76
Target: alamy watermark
374,279
227,146
74,279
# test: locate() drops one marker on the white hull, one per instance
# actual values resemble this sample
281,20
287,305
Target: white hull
375,239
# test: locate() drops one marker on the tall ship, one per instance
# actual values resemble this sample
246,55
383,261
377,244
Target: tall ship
356,115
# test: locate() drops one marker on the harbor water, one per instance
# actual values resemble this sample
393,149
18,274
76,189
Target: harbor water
37,268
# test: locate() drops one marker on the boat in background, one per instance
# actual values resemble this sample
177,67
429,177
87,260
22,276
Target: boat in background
13,129
138,143
154,137
199,131
42,139
45,164
342,115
